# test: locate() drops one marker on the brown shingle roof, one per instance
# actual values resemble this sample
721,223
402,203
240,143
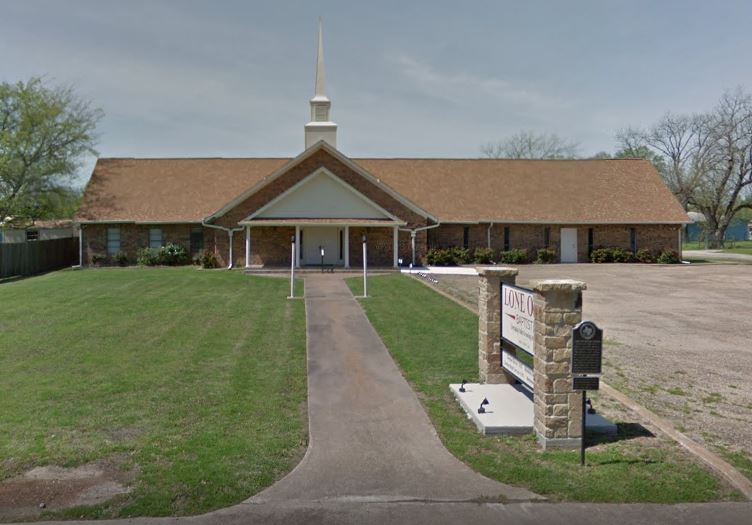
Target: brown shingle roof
454,190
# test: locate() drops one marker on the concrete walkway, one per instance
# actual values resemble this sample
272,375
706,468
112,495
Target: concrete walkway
370,439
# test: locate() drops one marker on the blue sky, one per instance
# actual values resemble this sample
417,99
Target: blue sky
435,78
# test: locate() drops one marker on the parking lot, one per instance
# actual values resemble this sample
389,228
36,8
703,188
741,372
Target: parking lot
678,339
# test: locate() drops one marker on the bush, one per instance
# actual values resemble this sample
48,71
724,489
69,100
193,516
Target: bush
483,256
99,260
619,255
173,255
448,256
148,257
601,255
514,256
208,260
643,255
546,256
121,258
668,257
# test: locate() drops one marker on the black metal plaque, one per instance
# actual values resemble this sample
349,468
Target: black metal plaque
585,383
587,348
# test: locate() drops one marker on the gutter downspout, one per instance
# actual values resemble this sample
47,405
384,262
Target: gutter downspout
413,232
229,231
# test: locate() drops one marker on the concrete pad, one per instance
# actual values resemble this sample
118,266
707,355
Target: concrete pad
510,410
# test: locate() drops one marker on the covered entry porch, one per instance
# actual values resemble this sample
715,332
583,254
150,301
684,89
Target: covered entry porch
331,242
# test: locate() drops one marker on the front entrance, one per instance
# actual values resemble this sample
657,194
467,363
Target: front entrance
313,239
569,245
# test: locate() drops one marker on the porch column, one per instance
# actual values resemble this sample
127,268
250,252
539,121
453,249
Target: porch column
297,246
347,247
247,246
395,246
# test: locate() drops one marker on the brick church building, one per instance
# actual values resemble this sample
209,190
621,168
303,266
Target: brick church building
247,210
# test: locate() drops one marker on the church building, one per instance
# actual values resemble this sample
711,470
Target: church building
248,210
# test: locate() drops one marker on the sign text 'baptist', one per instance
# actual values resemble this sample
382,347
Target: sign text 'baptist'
517,317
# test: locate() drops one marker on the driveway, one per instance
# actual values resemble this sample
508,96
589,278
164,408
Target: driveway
678,338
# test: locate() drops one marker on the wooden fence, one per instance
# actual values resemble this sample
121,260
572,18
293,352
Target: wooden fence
32,257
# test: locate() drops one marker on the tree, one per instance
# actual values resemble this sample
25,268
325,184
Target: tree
45,132
529,145
704,159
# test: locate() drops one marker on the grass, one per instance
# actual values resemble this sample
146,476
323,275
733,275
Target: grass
435,342
740,459
744,247
194,380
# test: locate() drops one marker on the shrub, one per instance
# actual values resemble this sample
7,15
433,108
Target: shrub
643,255
601,255
208,260
147,257
546,256
514,256
483,256
668,257
173,255
98,259
121,258
448,256
461,255
619,255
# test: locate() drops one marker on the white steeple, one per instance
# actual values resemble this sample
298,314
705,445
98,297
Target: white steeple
320,127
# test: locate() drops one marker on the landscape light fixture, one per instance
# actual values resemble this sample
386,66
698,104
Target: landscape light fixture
462,386
590,409
482,407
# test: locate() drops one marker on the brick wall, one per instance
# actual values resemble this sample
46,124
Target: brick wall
133,237
380,246
654,237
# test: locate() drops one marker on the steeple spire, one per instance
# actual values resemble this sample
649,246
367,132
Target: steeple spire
320,72
320,127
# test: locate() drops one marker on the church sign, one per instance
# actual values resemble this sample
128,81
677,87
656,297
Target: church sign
518,317
522,372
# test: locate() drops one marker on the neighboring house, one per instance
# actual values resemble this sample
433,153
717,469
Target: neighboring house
39,231
738,230
248,210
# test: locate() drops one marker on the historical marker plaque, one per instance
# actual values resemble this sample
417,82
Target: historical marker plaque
587,348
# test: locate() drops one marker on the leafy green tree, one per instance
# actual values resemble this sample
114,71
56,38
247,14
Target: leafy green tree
45,133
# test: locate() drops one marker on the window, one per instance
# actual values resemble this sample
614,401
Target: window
32,235
155,238
466,237
633,240
507,236
197,240
113,241
546,236
589,241
341,244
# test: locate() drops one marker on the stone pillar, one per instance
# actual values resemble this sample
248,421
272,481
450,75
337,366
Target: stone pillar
489,323
557,408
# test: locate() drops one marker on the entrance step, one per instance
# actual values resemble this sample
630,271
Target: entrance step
510,410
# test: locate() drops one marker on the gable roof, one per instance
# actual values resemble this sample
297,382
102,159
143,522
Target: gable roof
623,191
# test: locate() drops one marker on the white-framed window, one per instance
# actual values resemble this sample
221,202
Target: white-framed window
113,241
155,238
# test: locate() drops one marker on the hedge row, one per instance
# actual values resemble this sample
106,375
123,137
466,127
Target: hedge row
620,255
168,255
454,256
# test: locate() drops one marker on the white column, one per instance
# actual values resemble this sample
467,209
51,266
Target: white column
247,246
395,246
297,246
347,247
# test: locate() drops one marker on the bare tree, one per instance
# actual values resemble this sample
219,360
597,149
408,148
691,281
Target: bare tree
704,159
529,145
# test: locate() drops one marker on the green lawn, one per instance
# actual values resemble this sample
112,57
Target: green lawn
193,380
744,247
435,342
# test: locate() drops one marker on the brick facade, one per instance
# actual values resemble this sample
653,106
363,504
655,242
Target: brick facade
134,237
654,237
